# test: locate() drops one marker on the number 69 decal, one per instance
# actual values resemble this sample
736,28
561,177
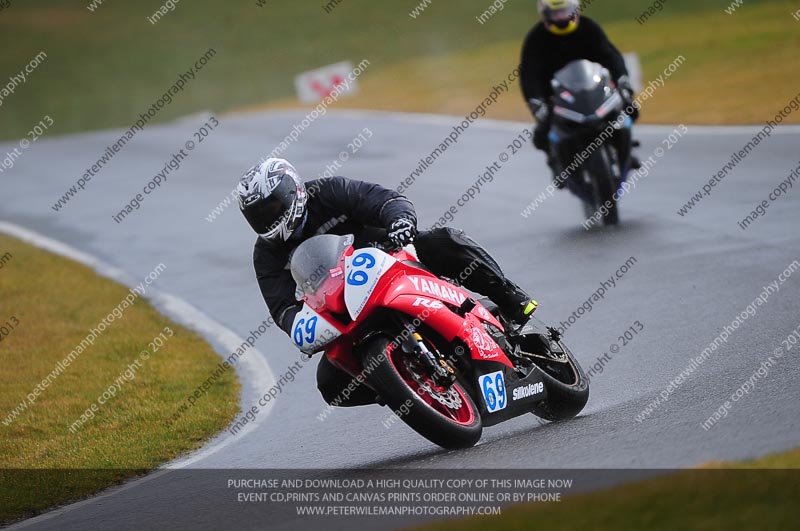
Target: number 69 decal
493,387
358,276
311,331
305,331
363,272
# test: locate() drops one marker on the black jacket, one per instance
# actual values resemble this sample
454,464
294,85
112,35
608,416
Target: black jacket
544,54
335,206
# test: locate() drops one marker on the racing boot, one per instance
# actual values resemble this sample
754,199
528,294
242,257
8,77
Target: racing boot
520,314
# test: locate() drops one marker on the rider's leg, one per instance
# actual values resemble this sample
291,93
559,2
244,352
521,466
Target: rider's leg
623,142
451,253
333,384
541,141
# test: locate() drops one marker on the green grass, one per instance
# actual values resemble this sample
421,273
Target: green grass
56,302
758,494
106,67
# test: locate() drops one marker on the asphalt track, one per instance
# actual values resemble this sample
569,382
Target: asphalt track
693,275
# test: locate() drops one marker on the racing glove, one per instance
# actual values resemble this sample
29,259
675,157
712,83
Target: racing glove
626,91
401,233
539,110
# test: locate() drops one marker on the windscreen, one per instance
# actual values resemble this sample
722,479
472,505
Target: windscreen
316,259
580,75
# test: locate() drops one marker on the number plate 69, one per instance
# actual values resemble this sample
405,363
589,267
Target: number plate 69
493,387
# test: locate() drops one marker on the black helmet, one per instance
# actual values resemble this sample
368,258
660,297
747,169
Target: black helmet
272,199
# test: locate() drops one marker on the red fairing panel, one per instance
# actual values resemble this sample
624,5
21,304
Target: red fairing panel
340,354
429,311
417,297
430,287
482,346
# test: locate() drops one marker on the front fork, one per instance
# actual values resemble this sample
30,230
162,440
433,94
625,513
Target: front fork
566,144
431,361
623,142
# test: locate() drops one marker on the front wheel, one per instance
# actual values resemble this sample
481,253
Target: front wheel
445,416
604,183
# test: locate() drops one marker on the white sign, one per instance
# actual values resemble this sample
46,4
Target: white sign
316,85
634,67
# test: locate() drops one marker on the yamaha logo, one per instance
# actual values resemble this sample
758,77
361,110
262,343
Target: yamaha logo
528,390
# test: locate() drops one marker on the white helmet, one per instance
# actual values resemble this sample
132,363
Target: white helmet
273,199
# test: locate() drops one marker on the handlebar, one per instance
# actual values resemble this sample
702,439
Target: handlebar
385,246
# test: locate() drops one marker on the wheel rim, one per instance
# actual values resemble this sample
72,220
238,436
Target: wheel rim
427,390
563,368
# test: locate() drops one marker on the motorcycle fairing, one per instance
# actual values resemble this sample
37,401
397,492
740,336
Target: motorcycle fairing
426,299
363,271
426,286
415,293
311,331
505,396
482,346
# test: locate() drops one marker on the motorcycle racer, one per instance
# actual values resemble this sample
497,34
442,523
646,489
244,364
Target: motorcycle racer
561,36
284,212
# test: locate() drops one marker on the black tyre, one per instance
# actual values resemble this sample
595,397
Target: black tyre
600,172
563,377
447,417
566,384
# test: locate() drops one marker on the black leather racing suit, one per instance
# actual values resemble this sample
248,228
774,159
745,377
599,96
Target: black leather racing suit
344,206
544,54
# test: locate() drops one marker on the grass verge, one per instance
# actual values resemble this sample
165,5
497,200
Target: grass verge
48,306
757,494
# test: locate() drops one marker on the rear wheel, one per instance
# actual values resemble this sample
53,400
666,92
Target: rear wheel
566,383
563,377
445,416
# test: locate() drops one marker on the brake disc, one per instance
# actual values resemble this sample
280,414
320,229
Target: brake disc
450,399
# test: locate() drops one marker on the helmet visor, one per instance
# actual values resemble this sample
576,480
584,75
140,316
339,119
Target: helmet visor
560,18
269,216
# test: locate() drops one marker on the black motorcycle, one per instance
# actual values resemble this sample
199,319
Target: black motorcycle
590,137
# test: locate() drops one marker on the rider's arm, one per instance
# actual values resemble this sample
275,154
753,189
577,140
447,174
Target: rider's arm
366,203
604,52
276,283
532,77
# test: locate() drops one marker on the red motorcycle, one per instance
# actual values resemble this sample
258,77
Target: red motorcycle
444,362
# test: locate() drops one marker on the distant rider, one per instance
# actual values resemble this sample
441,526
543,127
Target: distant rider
560,37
